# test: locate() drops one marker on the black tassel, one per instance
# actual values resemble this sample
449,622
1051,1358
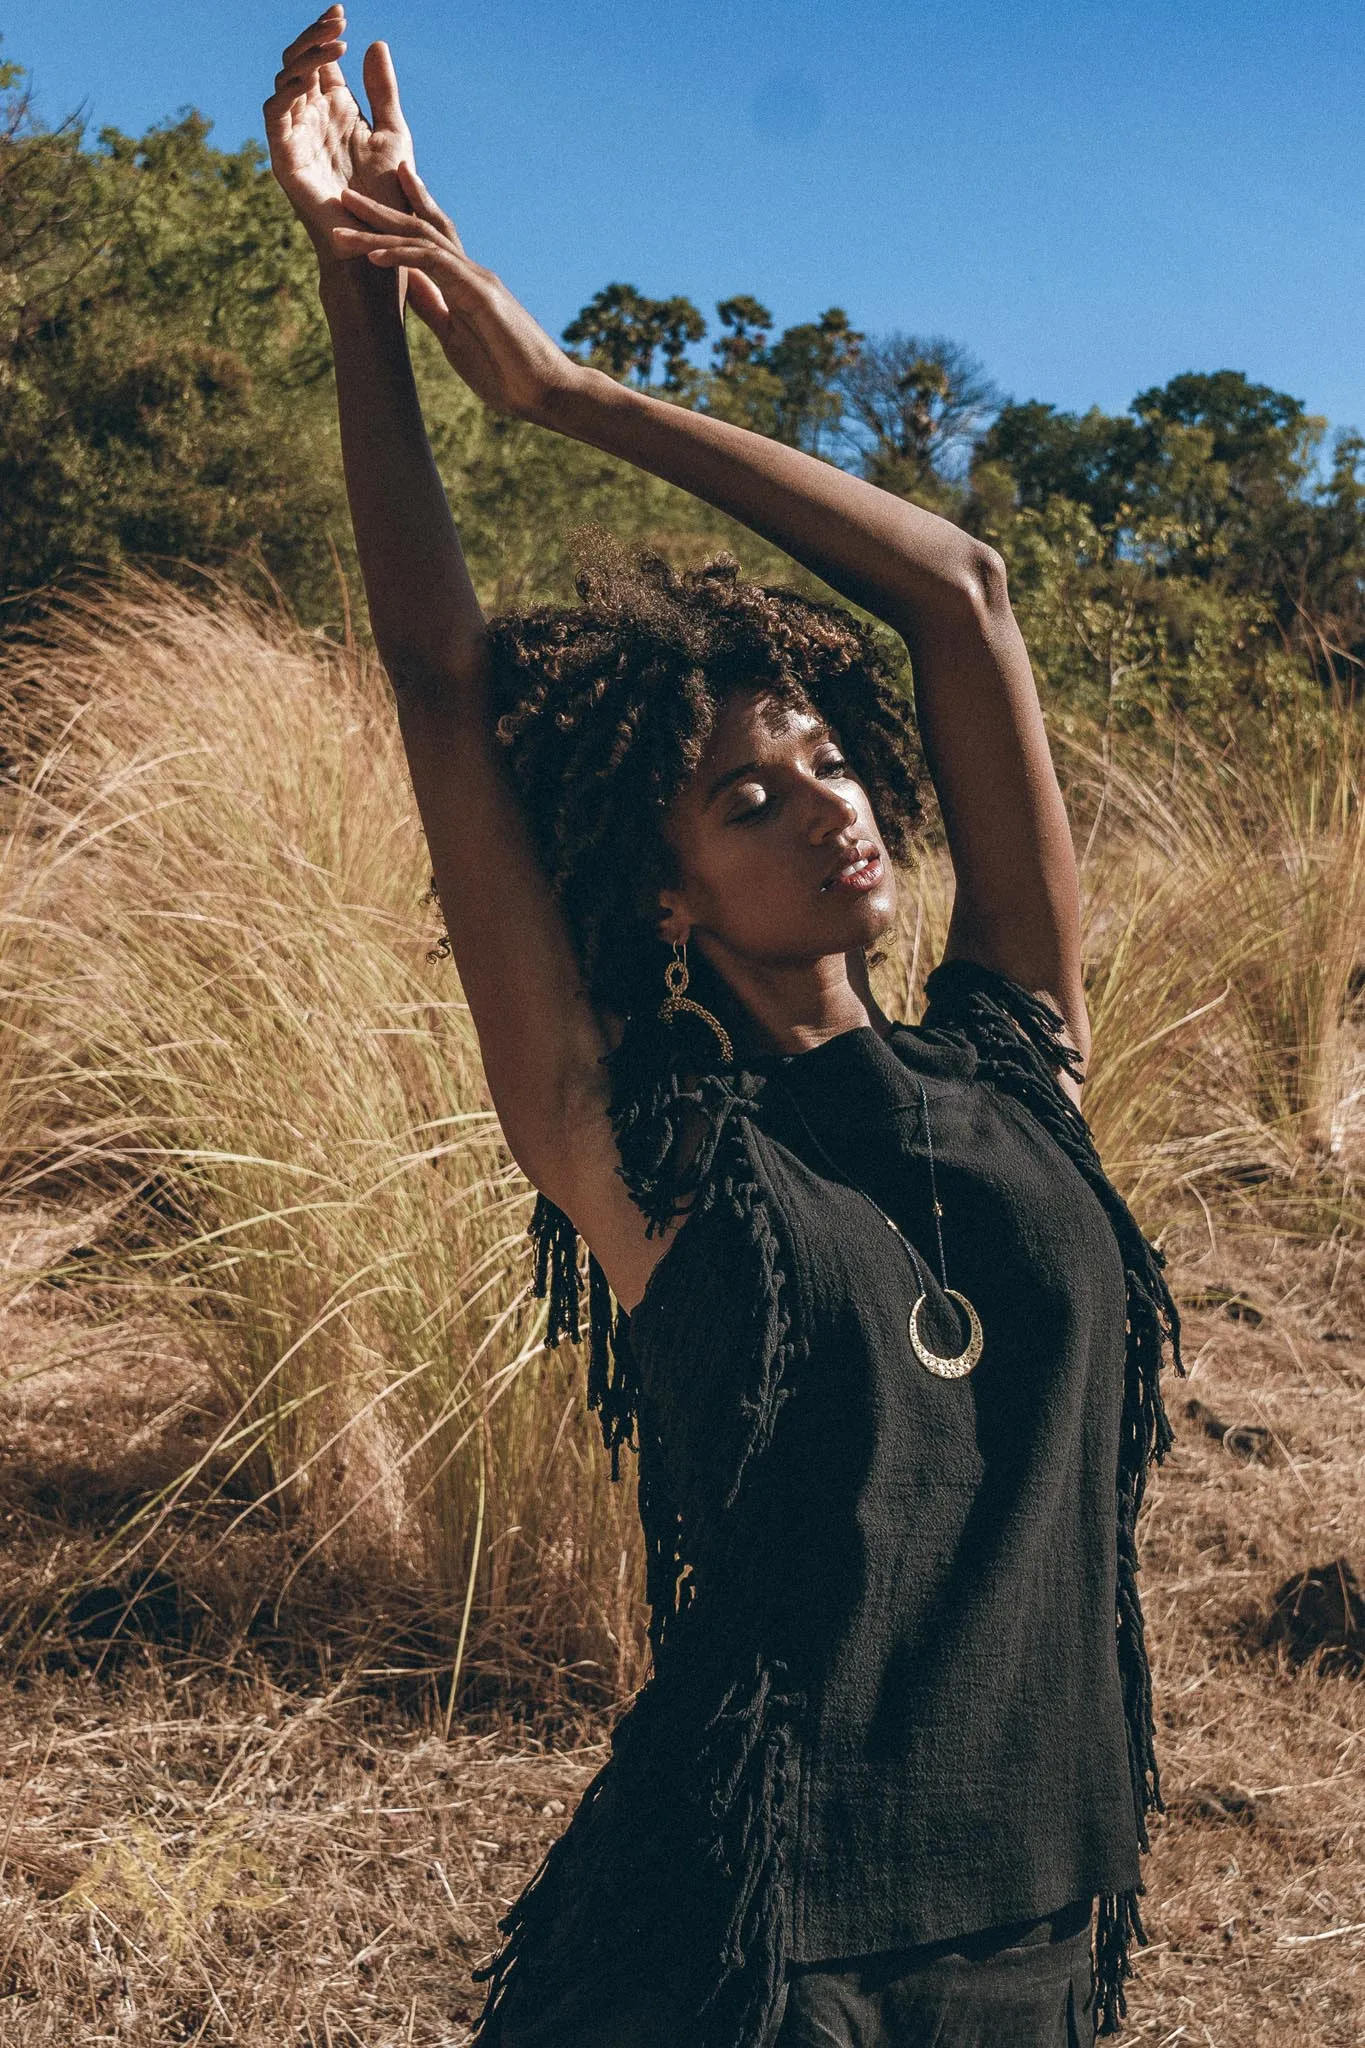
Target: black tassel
1118,1924
707,1749
669,1128
556,1270
612,1380
1018,1041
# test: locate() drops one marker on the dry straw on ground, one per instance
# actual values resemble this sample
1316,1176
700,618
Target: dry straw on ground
291,1491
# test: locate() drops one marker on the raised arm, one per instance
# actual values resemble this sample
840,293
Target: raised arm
541,1043
1017,904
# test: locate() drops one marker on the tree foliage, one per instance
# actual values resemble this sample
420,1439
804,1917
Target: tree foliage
163,367
166,392
787,388
914,409
1201,520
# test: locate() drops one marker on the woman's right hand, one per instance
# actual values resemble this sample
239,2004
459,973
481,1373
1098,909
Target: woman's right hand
320,142
489,338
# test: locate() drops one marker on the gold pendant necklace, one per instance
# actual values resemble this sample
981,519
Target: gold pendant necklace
957,1366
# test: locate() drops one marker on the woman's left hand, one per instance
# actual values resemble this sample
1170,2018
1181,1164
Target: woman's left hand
320,142
489,338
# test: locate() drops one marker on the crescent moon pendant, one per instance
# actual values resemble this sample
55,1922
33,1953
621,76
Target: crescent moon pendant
948,1368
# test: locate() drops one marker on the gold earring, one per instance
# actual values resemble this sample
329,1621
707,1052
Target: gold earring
675,981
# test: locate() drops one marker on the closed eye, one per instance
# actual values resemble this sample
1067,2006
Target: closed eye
752,811
835,767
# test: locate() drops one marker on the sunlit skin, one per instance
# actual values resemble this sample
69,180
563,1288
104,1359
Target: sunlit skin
782,877
752,889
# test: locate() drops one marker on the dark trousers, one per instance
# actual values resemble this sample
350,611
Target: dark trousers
1030,1989
1017,1987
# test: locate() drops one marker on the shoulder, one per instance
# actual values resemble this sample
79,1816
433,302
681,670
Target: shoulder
965,997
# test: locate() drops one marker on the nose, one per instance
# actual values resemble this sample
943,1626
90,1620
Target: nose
831,812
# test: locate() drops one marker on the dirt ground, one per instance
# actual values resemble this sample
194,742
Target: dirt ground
249,1845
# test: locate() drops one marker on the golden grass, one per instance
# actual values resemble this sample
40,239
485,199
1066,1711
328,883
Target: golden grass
242,1037
253,1852
1225,929
225,1028
275,1384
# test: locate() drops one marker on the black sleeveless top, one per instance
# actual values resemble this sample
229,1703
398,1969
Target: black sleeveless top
899,1688
938,1556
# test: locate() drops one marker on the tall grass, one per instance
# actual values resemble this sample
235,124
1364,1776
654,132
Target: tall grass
244,1037
1225,928
225,1031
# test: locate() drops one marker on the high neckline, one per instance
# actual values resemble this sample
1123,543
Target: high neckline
863,1049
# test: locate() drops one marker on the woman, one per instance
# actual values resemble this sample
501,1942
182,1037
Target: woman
885,1337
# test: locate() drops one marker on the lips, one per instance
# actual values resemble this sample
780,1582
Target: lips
860,869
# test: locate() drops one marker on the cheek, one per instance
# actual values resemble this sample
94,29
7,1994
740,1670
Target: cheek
738,870
759,900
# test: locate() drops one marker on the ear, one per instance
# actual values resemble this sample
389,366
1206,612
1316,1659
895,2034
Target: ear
674,925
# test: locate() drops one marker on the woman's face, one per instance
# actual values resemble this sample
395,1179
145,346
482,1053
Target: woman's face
778,856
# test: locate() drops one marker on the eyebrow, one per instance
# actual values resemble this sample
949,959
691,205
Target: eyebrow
723,782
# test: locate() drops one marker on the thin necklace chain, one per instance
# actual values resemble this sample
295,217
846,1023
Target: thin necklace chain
889,1221
933,1185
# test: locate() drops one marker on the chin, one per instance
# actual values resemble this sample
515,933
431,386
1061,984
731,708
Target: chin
869,918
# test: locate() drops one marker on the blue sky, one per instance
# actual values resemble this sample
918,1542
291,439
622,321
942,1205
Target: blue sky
1092,196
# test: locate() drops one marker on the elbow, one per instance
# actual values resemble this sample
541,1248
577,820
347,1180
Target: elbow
985,580
966,591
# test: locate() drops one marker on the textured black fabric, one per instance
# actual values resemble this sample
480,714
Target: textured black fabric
938,1555
681,1866
1032,1990
1021,1986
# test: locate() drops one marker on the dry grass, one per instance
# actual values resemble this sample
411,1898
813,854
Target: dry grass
239,1054
224,1862
282,1460
257,1838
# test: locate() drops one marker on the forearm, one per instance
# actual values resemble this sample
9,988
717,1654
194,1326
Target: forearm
902,563
975,699
425,616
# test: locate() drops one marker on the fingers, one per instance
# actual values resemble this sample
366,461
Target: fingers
392,252
427,303
424,206
381,86
353,242
376,214
325,29
301,73
312,52
427,213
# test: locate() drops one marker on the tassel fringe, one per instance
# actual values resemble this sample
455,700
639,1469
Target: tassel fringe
1118,1924
718,1781
1017,1038
606,1892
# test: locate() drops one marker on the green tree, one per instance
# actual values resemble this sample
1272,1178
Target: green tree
679,326
163,373
915,409
745,325
621,330
618,328
742,388
1206,501
808,361
1086,458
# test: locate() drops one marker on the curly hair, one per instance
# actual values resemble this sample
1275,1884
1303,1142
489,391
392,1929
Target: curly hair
605,709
